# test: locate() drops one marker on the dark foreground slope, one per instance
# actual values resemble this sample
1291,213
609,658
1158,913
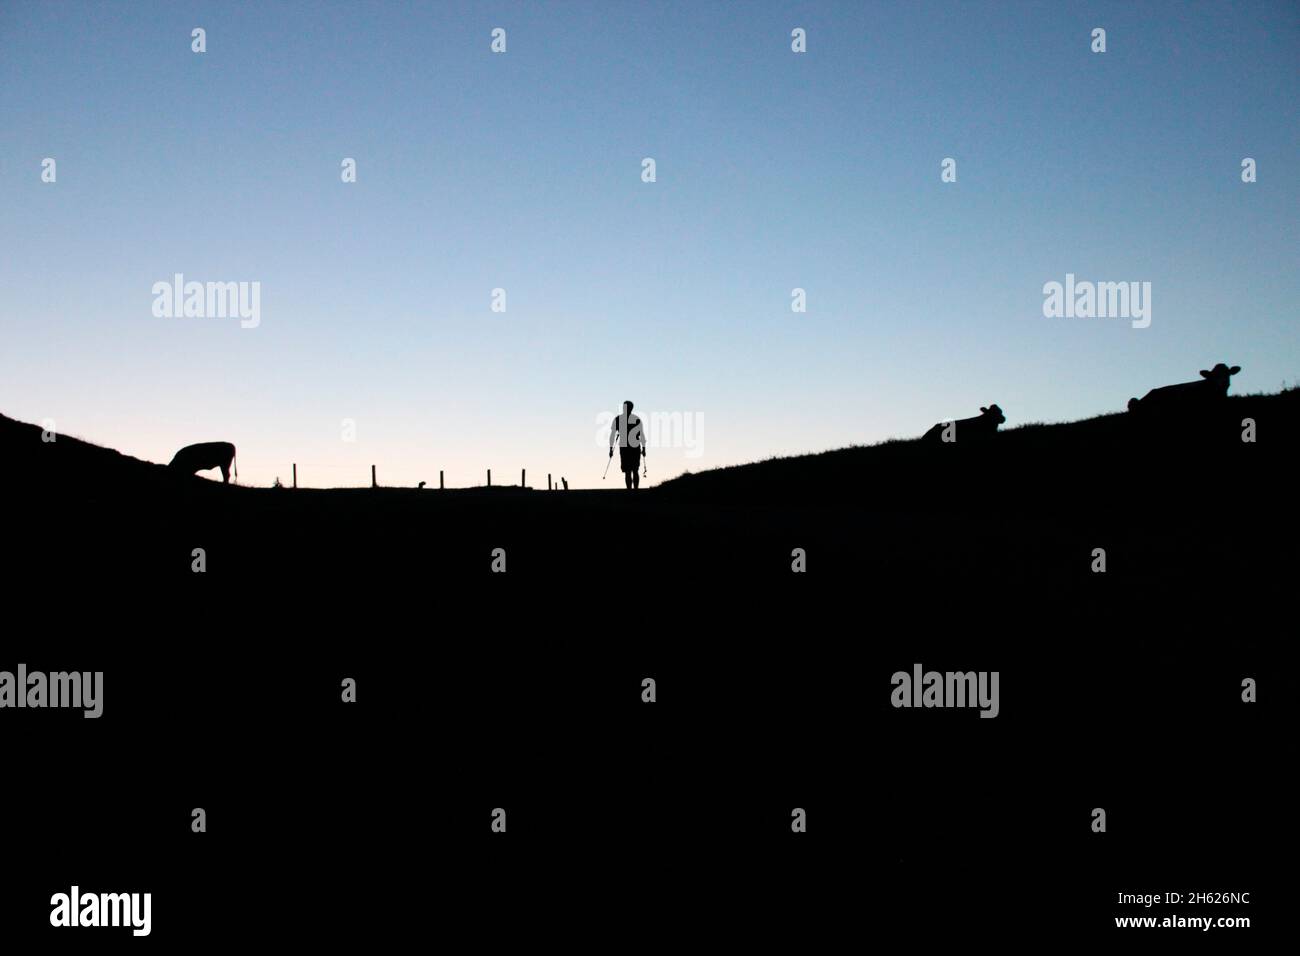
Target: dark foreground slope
522,690
1167,501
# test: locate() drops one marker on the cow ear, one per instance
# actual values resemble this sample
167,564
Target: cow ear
1204,374
983,409
1234,370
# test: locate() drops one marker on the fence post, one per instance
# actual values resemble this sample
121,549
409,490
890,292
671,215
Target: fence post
489,477
548,481
566,483
440,484
373,483
523,474
295,474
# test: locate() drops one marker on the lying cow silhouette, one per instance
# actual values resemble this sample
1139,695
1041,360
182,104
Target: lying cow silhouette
208,454
1212,388
981,426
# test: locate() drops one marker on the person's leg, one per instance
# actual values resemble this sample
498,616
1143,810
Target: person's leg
627,478
636,478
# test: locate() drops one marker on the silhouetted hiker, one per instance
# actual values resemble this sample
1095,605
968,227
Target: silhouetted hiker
626,430
210,454
981,426
1212,387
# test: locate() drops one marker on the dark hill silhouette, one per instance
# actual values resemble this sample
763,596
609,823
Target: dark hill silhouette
1197,455
1187,500
954,556
67,460
958,557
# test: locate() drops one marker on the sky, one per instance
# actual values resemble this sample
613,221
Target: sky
377,342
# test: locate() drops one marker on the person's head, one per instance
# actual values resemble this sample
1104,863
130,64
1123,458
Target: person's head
627,408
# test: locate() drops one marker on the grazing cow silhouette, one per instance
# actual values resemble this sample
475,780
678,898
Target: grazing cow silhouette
981,426
1212,387
209,454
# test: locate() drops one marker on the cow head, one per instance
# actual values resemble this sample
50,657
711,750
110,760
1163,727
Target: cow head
1219,375
993,414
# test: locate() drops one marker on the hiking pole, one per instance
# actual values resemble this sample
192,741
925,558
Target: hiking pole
607,464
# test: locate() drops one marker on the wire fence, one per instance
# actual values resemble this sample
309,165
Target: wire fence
322,475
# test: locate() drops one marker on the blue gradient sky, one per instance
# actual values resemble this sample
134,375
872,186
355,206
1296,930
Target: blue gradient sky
522,171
